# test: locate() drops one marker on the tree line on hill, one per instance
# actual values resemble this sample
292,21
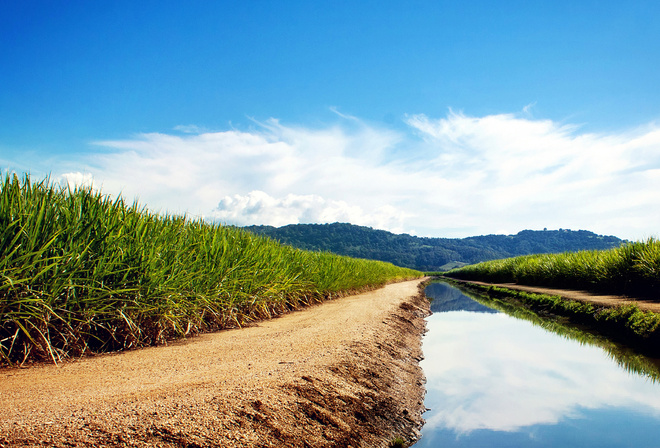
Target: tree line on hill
431,254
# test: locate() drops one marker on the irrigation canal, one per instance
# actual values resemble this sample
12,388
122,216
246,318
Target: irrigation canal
509,379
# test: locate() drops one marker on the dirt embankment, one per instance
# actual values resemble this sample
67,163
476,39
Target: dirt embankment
341,374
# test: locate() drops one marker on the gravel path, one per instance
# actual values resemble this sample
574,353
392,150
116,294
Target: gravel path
343,373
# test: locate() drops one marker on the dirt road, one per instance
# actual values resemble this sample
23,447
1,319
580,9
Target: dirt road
343,373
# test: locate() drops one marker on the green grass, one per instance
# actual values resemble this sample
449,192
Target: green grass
632,269
559,316
626,324
82,272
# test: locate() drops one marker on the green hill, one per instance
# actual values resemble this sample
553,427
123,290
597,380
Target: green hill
431,254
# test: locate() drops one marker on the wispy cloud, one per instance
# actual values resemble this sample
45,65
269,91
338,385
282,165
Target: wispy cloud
528,108
190,129
515,170
273,175
343,115
452,176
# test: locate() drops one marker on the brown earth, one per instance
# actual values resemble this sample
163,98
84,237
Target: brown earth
582,296
341,374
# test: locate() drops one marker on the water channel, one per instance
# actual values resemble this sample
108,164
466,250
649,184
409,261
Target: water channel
509,379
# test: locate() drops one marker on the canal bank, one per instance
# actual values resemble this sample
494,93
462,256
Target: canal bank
497,380
634,322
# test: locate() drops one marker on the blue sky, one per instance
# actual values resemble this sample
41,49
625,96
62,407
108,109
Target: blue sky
435,118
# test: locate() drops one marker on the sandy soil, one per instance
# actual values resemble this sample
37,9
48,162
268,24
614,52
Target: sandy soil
341,374
583,296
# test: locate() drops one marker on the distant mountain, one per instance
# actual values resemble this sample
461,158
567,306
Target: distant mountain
431,254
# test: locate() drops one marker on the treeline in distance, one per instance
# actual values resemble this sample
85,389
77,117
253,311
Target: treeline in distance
431,254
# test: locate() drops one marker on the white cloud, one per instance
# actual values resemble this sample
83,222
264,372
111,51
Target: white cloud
77,179
452,176
258,207
512,170
476,379
276,175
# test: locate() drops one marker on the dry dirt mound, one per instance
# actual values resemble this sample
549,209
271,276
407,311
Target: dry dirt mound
341,374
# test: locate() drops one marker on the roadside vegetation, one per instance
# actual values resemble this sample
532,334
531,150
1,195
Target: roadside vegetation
632,269
550,313
627,324
81,272
431,254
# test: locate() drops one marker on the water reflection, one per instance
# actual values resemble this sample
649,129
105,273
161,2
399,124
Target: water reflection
625,357
493,380
447,298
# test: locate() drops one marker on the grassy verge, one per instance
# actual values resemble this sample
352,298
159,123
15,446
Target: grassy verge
81,272
627,324
533,308
632,269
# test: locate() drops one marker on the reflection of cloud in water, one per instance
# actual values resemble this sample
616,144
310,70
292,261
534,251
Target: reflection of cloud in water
491,371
